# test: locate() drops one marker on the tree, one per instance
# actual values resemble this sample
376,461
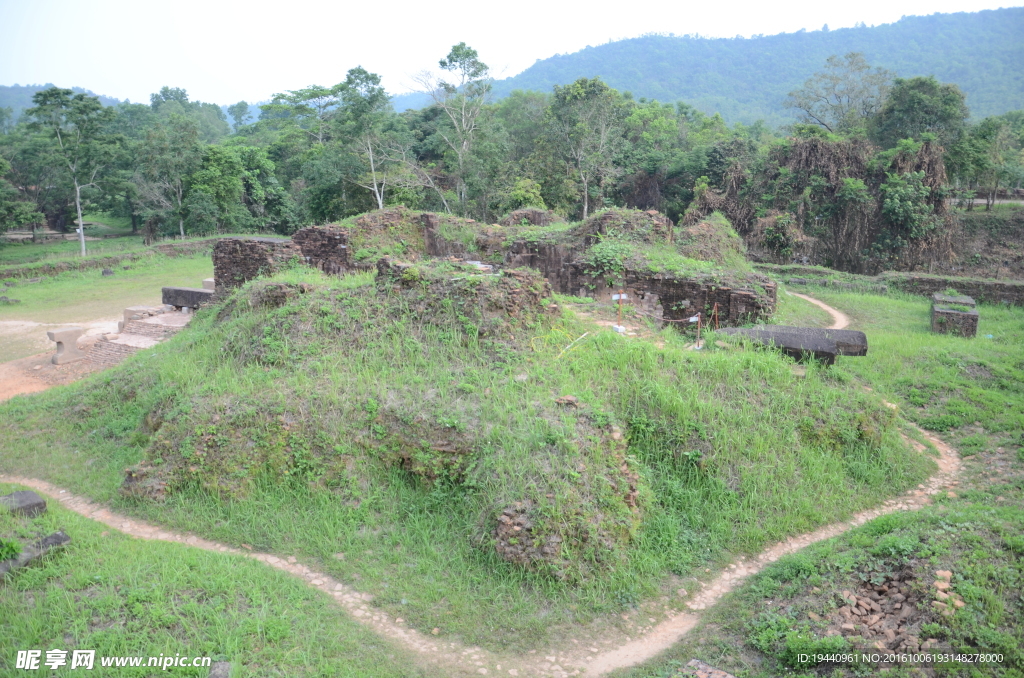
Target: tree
366,116
310,108
844,95
585,123
76,124
216,189
14,213
209,118
462,100
168,156
239,113
918,106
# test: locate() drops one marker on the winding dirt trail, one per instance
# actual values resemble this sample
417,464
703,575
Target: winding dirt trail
583,658
839,319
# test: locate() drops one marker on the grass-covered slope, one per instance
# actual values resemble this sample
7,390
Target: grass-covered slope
971,392
122,596
400,430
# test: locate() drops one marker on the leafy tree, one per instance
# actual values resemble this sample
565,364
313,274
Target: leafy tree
14,212
77,125
368,121
36,172
917,106
168,156
906,211
585,122
462,100
239,113
310,109
844,95
6,120
209,118
216,189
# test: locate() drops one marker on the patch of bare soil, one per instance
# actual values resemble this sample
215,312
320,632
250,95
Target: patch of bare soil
37,373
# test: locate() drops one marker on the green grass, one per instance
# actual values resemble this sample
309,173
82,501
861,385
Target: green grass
791,310
106,224
77,296
120,596
87,296
19,254
972,392
285,428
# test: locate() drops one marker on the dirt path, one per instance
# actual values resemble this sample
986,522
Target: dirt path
664,635
839,319
582,657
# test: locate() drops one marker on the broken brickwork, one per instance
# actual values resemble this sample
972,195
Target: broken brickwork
236,261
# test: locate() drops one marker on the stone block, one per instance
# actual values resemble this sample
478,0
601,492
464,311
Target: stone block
209,284
106,272
220,670
24,503
35,551
695,668
802,342
948,299
67,345
237,260
947,320
186,297
134,310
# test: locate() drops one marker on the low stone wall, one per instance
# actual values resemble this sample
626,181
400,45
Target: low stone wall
660,297
989,291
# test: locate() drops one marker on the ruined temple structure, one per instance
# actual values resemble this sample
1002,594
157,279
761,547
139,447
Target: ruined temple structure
735,300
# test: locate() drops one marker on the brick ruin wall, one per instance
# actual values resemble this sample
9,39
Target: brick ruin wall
658,296
989,291
238,260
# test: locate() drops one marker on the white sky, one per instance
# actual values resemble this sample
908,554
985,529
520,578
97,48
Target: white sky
223,52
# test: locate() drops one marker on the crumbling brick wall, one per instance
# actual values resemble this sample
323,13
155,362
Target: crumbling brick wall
662,297
326,248
239,260
989,291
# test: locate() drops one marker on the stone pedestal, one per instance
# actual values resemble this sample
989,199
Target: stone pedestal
67,345
954,315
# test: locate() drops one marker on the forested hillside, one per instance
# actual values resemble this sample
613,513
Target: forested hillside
19,97
863,181
746,80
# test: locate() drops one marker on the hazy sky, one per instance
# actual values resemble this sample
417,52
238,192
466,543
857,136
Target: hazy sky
223,52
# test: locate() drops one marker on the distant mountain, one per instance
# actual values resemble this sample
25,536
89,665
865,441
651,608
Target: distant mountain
746,79
19,97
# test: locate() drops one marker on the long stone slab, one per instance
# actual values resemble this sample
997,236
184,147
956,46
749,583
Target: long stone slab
186,297
801,342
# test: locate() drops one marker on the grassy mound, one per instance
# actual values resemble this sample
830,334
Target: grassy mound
453,444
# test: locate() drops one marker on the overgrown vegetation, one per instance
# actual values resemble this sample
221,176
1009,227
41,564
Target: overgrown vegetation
397,423
969,390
